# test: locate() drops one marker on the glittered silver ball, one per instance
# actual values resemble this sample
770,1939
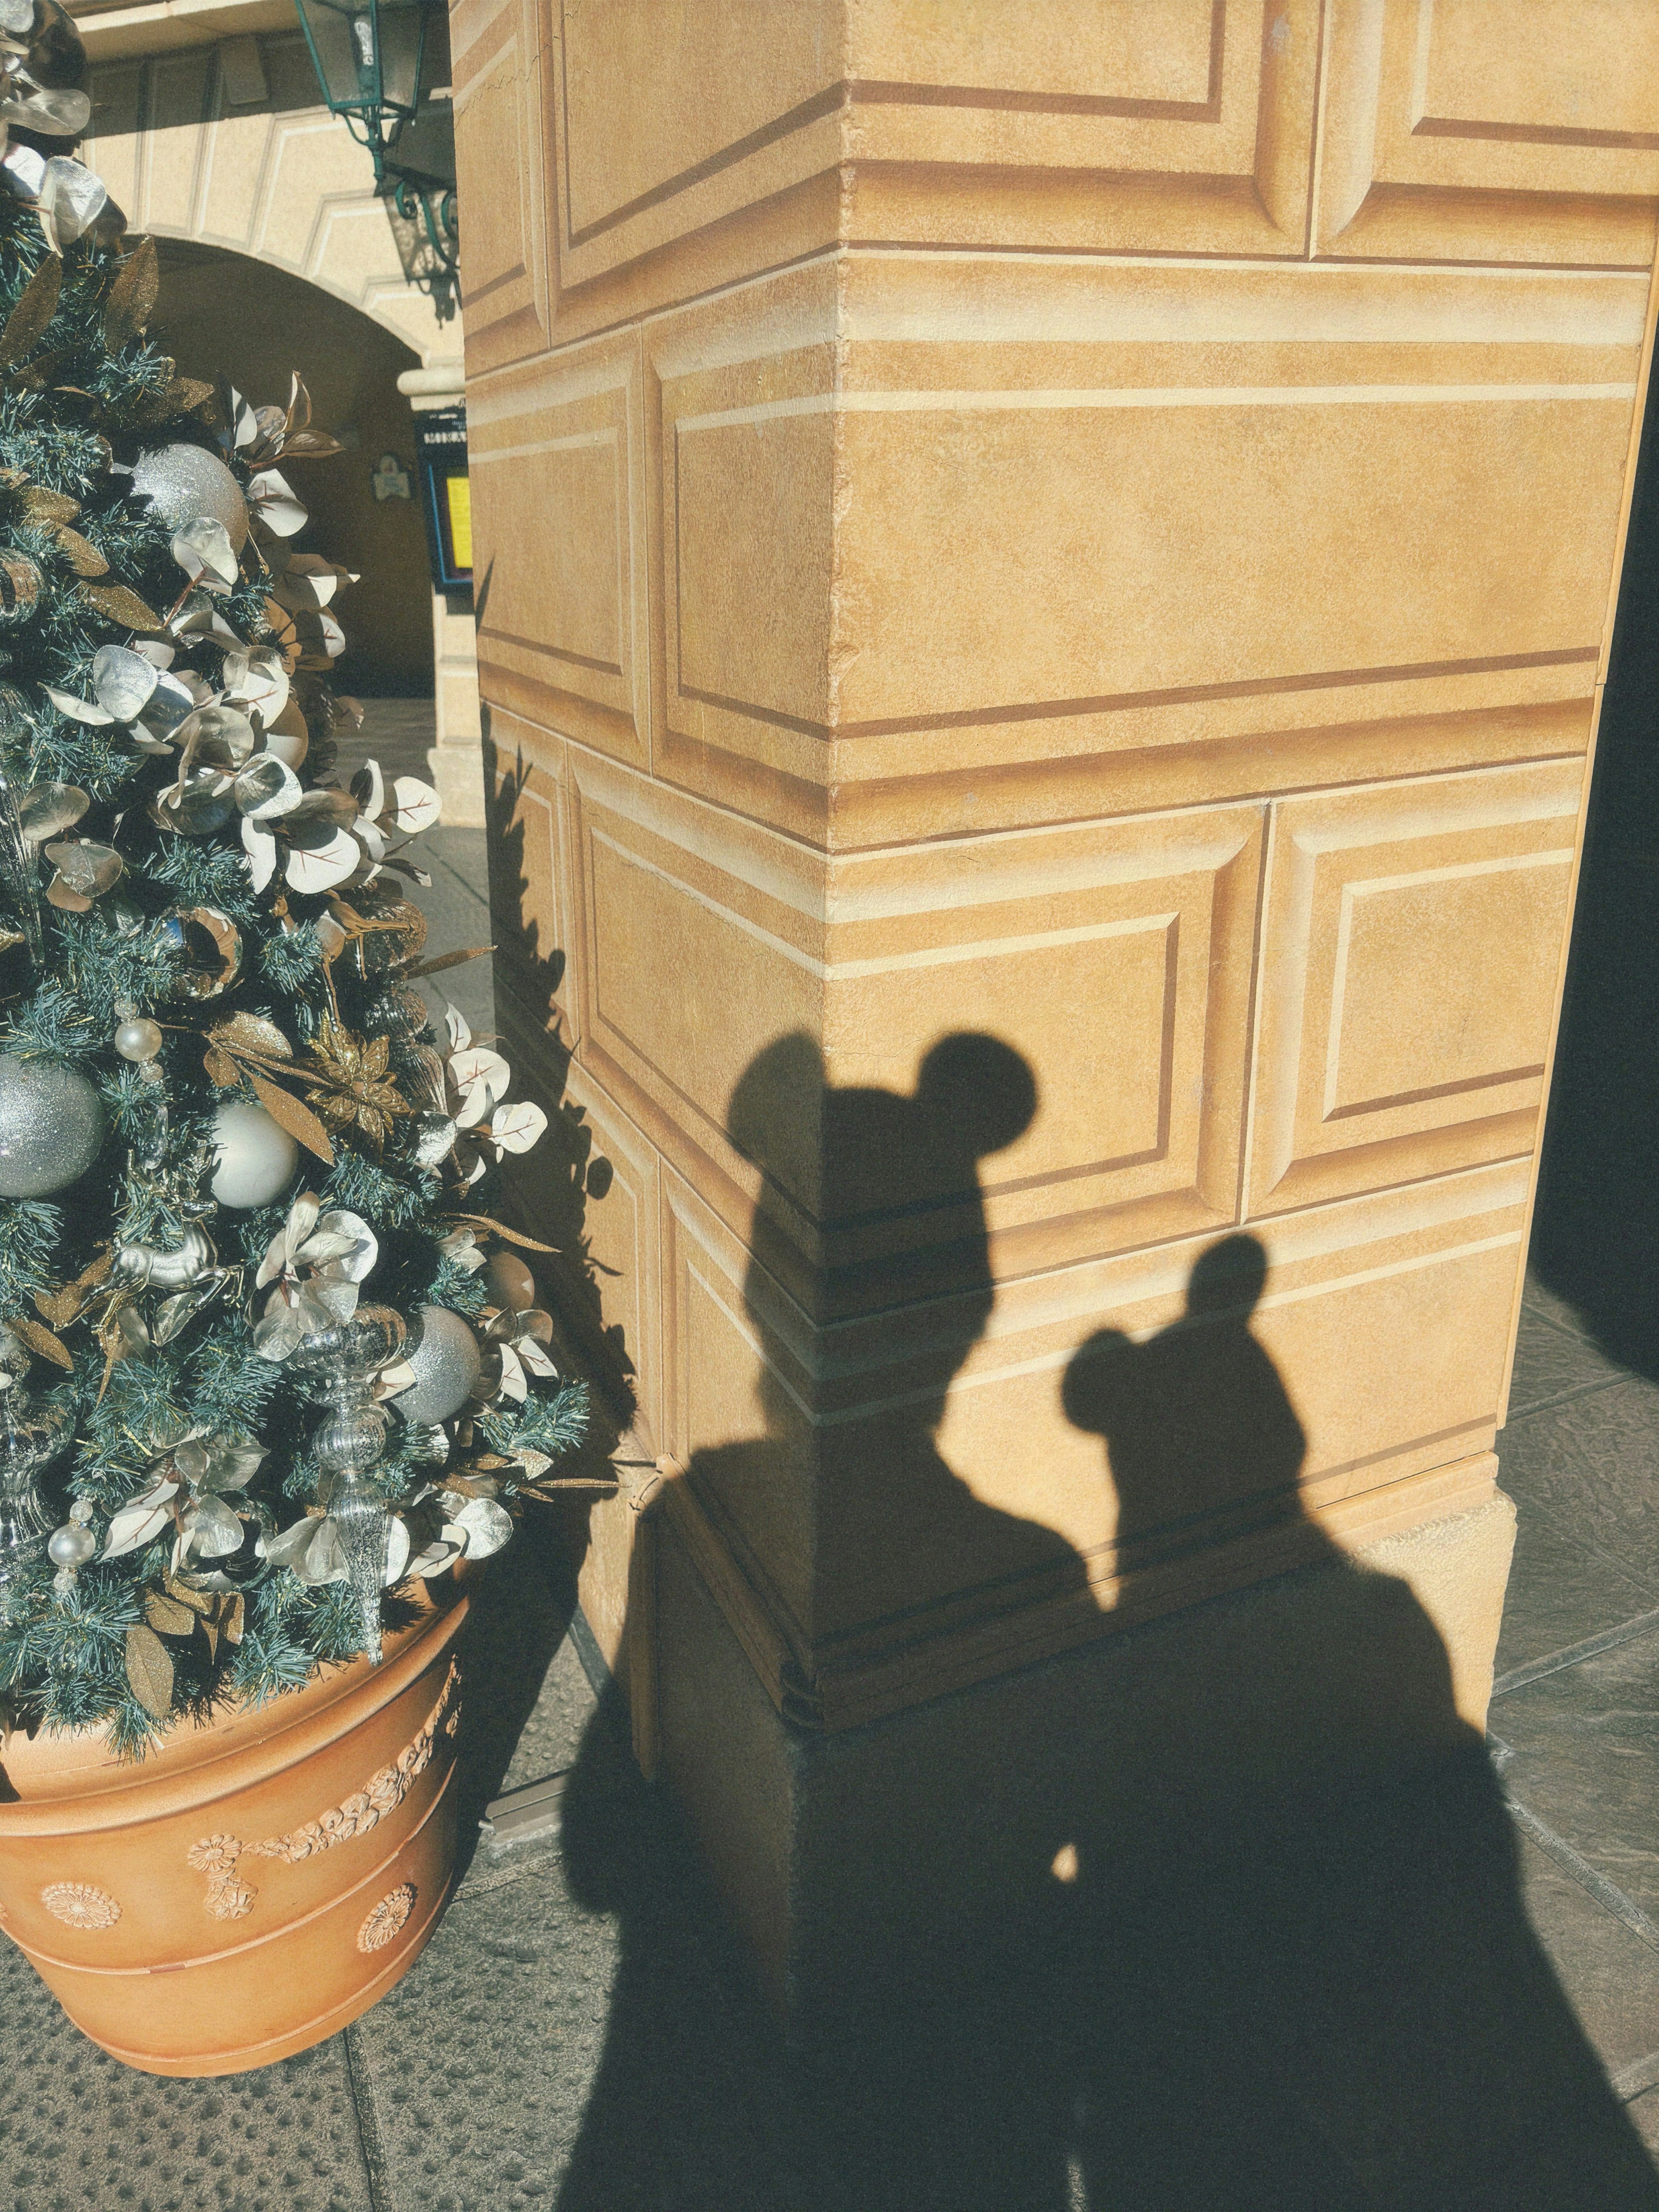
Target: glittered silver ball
255,1155
52,1127
445,1357
71,1545
181,482
139,1040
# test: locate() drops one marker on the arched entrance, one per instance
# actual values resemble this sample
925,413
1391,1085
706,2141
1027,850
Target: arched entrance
224,314
265,211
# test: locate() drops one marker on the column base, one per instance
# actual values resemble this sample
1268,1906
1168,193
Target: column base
1222,1909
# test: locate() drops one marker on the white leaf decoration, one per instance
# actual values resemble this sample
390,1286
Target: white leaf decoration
258,682
244,423
78,710
203,551
516,1128
123,681
271,492
416,806
321,865
268,788
356,1247
487,1525
213,1532
397,1550
435,1557
455,1022
368,789
476,1064
514,1384
139,1522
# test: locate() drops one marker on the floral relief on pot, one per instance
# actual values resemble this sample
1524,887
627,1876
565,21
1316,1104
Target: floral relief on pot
387,1919
218,1857
81,1905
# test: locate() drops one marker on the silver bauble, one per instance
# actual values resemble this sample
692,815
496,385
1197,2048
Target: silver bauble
52,1127
181,482
254,1155
444,1355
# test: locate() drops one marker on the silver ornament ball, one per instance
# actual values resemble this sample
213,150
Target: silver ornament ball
138,1040
445,1357
71,1545
182,482
255,1157
52,1127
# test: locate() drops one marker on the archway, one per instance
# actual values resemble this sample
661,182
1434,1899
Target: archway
224,314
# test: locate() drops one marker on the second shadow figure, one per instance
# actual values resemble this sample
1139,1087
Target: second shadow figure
1299,1974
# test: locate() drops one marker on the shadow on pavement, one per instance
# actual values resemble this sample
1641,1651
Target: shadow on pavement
1238,1924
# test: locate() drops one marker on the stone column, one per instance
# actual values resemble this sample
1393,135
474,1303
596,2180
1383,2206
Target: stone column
1044,576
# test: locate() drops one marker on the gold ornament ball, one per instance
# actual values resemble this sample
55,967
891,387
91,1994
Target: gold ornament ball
254,1155
444,1355
183,481
52,1127
510,1283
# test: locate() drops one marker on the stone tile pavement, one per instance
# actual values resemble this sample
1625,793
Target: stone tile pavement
485,2080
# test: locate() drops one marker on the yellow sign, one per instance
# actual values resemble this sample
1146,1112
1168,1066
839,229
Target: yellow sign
460,519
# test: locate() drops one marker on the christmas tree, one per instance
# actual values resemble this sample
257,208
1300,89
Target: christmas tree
267,1360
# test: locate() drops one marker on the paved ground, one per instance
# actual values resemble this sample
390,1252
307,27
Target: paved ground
483,2079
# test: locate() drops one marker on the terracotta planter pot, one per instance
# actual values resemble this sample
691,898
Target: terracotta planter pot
255,1884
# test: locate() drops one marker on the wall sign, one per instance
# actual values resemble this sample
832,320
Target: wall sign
446,496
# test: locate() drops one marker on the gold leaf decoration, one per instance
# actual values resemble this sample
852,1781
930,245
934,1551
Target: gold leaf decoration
40,505
132,296
60,1308
347,1081
80,553
150,1670
166,1616
302,1124
41,1339
26,325
119,606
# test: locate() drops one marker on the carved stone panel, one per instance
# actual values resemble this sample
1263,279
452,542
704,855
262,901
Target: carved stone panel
1412,951
1498,131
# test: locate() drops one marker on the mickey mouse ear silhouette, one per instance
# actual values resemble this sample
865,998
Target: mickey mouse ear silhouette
979,1090
1228,1277
781,1086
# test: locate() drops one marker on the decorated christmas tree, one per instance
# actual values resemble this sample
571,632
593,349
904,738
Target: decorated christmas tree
267,1359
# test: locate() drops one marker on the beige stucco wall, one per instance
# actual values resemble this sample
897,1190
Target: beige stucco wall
1096,525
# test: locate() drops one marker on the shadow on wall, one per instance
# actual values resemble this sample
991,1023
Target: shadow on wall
550,1186
1221,1913
1595,1229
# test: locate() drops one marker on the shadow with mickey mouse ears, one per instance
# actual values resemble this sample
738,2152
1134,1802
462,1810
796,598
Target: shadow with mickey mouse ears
1297,1972
1218,1914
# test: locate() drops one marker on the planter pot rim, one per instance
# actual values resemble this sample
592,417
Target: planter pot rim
57,1784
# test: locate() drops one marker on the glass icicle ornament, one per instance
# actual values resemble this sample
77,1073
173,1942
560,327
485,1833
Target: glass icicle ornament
337,1366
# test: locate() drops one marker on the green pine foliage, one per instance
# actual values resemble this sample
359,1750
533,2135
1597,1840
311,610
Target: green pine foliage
81,400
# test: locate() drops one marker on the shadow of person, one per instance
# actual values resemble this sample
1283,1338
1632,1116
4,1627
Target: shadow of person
1296,1969
1221,1911
904,2110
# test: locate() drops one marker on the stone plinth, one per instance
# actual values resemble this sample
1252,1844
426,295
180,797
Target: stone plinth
1045,576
